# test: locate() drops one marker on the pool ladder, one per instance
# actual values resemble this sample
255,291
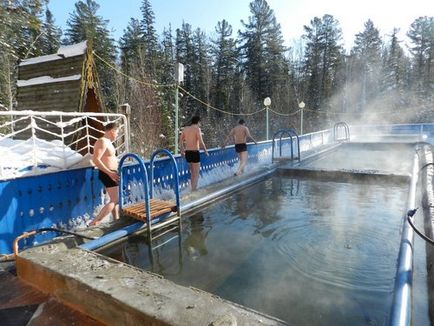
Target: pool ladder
156,213
291,134
337,127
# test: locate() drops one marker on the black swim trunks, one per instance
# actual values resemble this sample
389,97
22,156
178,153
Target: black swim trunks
192,156
239,148
106,180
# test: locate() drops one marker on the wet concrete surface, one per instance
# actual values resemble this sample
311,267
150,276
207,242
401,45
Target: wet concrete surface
22,304
118,294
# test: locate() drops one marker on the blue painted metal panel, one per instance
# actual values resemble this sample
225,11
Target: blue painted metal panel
35,202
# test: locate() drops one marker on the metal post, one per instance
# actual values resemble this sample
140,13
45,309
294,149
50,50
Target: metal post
176,119
179,78
301,106
266,123
267,103
301,122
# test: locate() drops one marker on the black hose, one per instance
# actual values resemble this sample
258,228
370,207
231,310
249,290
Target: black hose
423,236
423,167
65,232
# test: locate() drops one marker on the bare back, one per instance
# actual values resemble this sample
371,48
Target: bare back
240,134
191,138
105,153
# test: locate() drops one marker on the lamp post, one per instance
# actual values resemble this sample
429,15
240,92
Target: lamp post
301,105
179,76
267,102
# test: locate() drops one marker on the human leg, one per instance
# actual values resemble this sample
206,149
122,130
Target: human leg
114,197
111,206
194,171
243,162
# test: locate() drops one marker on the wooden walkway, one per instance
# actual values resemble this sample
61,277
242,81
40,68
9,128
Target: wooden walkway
158,208
21,305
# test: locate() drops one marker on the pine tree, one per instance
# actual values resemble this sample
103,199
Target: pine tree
323,59
225,58
85,24
395,71
185,54
201,68
421,34
131,45
20,37
367,64
262,49
52,34
150,39
34,29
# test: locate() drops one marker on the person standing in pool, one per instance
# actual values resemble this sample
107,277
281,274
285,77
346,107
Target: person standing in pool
240,134
190,143
104,157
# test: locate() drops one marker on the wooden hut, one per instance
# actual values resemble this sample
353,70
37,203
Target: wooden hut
66,81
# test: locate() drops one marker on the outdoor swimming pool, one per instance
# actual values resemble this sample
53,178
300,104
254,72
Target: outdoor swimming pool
306,251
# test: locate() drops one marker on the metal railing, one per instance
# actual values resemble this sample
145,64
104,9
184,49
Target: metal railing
60,135
290,133
336,131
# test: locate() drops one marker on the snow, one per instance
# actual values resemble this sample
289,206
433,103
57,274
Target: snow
63,52
46,80
18,157
72,50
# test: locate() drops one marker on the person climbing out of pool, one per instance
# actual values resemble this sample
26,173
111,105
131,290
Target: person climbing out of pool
191,141
240,134
104,157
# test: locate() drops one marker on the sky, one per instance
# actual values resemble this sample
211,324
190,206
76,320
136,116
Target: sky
292,15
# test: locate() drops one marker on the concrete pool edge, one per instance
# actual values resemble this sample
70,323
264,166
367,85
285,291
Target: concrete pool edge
116,293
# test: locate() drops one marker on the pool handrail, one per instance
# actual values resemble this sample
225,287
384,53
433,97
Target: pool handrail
145,183
291,133
175,172
401,313
346,128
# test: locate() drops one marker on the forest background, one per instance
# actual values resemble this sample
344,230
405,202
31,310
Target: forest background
228,75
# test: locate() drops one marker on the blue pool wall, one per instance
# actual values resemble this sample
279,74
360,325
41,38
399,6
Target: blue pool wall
57,199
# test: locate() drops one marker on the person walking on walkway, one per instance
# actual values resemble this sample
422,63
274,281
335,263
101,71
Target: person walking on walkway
104,157
240,134
190,143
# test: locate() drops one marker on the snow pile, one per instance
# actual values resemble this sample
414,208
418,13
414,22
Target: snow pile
46,80
18,157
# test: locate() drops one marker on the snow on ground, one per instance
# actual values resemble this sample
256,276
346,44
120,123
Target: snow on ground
35,156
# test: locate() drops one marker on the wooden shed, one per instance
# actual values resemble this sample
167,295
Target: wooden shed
65,81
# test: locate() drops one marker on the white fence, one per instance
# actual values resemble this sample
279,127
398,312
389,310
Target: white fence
32,141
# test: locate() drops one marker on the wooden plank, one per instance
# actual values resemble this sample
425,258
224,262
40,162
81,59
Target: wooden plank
55,68
158,207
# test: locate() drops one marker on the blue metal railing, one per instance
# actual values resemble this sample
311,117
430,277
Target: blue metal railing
337,127
139,178
290,133
174,176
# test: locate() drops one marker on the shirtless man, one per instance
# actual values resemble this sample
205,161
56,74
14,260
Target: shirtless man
104,157
190,143
240,134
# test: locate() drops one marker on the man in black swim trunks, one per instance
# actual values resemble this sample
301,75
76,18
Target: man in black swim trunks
191,141
104,157
240,134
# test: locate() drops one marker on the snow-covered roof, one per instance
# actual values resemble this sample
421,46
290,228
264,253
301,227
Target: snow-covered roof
45,80
63,52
